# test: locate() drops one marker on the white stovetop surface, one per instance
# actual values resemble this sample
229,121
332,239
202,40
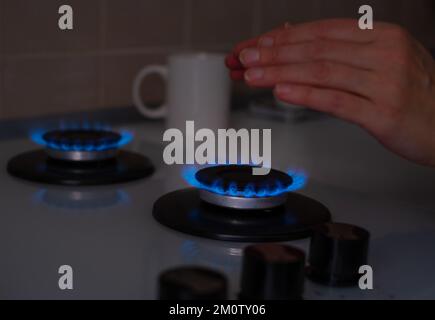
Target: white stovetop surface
117,250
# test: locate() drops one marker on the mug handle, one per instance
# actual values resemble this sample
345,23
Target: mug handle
145,110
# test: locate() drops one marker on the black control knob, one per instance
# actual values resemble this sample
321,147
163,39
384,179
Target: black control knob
192,283
272,272
337,251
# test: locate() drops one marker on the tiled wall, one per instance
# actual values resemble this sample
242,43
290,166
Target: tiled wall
47,71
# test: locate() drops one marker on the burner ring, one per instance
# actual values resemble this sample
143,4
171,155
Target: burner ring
242,203
235,187
81,144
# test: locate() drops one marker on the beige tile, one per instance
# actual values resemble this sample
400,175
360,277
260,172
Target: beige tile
387,10
222,48
383,10
34,87
277,12
342,8
428,40
1,87
118,74
139,23
221,22
32,26
419,18
1,58
1,26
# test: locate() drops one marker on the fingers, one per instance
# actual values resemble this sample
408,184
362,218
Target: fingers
322,74
338,40
349,53
336,29
232,60
340,104
237,75
254,41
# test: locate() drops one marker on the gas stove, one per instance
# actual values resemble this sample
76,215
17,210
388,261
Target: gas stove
229,203
120,242
80,156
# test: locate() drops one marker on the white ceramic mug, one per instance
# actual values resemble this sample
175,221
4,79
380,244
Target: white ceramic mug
198,88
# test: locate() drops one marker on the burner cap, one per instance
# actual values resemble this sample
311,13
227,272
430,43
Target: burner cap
235,186
81,144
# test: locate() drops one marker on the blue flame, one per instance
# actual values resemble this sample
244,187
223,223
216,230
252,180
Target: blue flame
299,182
37,136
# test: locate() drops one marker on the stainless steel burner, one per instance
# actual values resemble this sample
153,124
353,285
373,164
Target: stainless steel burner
235,187
243,203
81,155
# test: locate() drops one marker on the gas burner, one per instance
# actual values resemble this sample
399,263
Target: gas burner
231,204
237,188
81,145
80,157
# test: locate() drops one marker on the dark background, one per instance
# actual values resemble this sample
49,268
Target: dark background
47,71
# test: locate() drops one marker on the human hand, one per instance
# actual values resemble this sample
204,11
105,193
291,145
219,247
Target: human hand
382,80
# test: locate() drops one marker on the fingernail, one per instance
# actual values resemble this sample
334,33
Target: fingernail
282,89
249,56
266,42
254,74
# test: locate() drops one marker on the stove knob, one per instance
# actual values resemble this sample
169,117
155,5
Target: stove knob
337,251
272,272
192,283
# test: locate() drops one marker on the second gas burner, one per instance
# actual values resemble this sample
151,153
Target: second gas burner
81,156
